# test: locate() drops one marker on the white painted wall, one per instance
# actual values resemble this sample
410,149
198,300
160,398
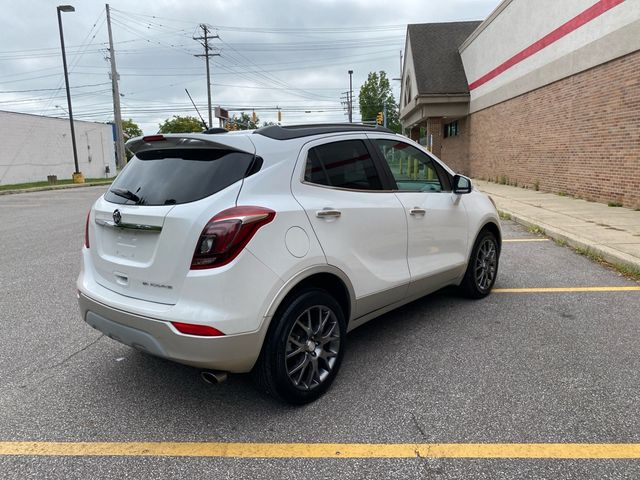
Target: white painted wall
519,23
32,147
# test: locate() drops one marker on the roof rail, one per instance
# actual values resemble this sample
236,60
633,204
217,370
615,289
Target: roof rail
278,132
214,130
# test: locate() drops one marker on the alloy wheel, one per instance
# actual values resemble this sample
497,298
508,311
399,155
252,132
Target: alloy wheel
486,264
312,347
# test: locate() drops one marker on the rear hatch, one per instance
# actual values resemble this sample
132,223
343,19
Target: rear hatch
146,226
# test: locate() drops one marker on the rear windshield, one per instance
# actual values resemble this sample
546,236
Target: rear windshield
174,176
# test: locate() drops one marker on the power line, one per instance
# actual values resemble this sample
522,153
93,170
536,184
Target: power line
50,89
363,29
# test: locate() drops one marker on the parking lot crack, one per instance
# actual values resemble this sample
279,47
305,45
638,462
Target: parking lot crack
418,426
37,375
77,352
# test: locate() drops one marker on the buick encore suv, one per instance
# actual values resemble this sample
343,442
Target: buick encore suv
257,251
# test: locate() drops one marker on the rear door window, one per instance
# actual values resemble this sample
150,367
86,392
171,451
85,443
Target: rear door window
174,176
344,164
413,170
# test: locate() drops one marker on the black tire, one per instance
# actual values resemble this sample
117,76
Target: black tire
482,269
299,338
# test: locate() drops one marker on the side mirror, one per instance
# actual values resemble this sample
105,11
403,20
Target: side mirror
461,184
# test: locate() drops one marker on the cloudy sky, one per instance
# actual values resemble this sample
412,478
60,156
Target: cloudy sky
292,55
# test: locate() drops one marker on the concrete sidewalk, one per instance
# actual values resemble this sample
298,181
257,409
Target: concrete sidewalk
613,233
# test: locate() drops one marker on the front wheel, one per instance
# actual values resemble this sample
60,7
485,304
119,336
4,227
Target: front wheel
303,351
482,269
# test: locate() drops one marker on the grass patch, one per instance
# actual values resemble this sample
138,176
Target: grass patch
614,204
69,181
536,230
625,270
504,215
562,194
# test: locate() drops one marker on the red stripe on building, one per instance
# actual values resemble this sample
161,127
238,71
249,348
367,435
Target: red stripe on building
565,29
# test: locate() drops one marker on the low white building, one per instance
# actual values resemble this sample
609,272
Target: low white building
33,147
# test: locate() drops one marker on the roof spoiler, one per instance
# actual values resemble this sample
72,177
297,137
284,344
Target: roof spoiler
188,141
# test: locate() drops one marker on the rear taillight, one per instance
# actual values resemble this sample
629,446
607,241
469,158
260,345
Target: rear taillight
86,231
200,330
226,235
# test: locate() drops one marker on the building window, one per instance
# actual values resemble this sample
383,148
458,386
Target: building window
407,90
451,129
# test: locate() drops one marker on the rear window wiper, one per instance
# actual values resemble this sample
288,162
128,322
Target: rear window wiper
124,193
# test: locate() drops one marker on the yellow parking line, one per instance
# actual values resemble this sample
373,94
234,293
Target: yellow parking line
518,240
325,450
566,289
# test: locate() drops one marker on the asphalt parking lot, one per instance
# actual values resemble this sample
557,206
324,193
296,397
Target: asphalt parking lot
523,367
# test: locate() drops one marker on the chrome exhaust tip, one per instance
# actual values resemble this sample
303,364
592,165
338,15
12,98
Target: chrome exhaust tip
213,377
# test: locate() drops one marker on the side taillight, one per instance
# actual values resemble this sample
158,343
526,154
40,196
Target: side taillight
199,330
86,231
226,234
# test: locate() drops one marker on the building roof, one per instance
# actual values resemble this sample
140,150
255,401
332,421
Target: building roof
436,59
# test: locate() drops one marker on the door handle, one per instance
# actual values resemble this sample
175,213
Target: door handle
417,211
328,213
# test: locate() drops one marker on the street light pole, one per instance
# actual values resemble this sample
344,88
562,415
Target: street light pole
350,96
77,176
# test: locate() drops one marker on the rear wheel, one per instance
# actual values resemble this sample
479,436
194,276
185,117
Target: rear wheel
303,351
482,269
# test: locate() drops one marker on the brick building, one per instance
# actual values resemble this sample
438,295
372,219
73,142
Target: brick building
541,94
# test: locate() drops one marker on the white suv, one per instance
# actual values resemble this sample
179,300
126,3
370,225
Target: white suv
258,250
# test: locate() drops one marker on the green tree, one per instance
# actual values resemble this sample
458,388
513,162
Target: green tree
131,129
242,122
374,94
180,124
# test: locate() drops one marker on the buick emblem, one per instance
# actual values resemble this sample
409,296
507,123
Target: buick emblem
117,217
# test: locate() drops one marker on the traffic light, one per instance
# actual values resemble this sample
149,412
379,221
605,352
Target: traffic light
379,118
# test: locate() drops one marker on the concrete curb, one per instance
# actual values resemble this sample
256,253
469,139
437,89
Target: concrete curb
610,255
54,187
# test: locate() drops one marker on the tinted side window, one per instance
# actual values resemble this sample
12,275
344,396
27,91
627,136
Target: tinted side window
412,169
173,176
345,164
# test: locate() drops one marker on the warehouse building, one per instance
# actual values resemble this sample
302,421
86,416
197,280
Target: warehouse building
541,94
35,147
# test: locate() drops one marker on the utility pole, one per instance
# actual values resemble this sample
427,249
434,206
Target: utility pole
204,41
350,97
117,115
344,101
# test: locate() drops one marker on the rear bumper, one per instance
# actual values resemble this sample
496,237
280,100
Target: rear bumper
231,353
